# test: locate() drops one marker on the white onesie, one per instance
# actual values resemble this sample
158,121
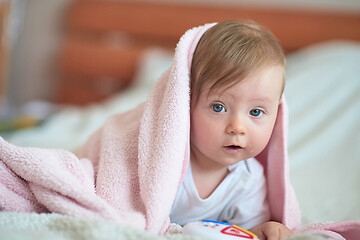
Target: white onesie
239,199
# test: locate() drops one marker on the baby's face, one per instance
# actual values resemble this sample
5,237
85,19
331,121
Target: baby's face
234,124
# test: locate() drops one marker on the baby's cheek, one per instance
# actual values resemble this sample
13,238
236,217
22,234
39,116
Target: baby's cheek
257,143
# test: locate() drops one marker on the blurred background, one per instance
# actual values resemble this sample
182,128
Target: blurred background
31,31
30,35
65,54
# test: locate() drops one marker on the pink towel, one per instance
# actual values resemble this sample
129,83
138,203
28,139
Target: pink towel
347,230
138,159
51,180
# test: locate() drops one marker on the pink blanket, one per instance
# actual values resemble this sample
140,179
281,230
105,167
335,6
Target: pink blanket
137,160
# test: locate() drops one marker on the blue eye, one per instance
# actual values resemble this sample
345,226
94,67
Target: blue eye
218,108
256,112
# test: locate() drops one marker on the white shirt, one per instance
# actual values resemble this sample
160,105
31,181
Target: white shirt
239,199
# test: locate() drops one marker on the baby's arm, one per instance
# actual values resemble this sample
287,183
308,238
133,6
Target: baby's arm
271,231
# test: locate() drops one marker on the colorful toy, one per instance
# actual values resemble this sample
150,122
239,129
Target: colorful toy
215,230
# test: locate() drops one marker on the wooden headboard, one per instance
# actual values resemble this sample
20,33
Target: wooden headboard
103,40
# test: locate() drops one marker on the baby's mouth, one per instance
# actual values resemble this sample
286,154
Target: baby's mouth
233,148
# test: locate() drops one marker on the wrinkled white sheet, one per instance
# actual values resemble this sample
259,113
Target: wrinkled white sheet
323,94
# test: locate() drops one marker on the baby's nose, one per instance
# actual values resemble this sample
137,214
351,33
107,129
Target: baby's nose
236,126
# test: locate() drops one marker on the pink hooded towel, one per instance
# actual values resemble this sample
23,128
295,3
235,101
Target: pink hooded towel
129,170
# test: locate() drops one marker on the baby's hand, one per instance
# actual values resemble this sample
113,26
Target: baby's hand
271,231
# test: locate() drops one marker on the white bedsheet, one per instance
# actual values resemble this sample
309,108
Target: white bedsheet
323,94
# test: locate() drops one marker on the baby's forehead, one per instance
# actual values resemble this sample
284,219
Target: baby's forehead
259,81
217,92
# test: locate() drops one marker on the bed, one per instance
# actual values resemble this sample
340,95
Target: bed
114,51
104,39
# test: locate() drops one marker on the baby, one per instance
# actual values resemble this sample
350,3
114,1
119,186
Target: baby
237,80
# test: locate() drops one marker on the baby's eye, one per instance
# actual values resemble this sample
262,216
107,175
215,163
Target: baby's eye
256,112
218,107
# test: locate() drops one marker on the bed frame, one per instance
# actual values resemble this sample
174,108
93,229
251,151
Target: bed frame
103,40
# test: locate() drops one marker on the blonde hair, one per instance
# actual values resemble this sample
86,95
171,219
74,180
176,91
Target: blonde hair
229,51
